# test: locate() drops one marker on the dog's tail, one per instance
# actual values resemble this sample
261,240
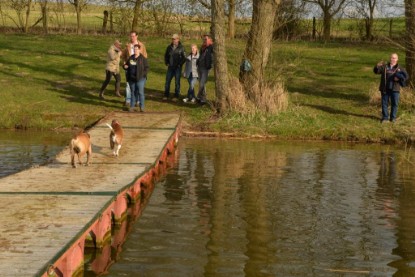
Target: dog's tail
112,129
74,147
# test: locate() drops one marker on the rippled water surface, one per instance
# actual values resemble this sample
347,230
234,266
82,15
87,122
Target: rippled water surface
23,149
258,208
262,208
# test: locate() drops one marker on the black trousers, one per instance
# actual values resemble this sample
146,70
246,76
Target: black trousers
108,75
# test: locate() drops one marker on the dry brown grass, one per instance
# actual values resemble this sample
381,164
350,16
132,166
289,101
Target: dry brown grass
406,99
272,99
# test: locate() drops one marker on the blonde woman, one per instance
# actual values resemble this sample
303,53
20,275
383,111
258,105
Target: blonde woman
190,73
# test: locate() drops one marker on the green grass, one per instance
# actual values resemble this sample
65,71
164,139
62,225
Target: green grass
50,82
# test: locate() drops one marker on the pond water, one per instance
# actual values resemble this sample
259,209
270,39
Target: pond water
23,149
263,208
260,208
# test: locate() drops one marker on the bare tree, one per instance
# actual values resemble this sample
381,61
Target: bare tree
289,16
410,40
22,9
161,10
220,59
258,46
329,8
364,9
45,15
59,14
137,11
231,18
79,5
230,11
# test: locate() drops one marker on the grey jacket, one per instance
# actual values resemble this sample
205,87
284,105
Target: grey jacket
191,66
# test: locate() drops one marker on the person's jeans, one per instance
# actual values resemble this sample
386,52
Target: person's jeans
127,91
108,75
173,72
137,92
203,77
394,99
192,82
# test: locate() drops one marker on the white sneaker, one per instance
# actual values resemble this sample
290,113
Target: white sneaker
193,100
185,100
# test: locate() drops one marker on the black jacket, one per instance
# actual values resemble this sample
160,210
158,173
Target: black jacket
137,68
178,55
387,78
206,58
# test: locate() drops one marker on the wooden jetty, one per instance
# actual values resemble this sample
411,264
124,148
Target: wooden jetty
50,212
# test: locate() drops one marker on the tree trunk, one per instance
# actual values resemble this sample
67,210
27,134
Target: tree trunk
78,8
368,27
326,25
219,57
78,21
111,22
231,19
258,46
137,10
26,25
410,40
45,16
105,23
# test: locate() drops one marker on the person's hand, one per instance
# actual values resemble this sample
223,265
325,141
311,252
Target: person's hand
125,66
396,79
381,63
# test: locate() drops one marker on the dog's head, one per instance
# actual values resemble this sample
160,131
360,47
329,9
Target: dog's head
115,124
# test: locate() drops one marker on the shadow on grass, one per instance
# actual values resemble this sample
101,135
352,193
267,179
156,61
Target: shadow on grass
340,112
157,96
331,93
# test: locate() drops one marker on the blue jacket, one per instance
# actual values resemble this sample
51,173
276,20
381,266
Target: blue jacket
387,78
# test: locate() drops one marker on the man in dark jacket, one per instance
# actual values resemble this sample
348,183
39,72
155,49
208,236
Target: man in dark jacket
174,58
393,76
204,65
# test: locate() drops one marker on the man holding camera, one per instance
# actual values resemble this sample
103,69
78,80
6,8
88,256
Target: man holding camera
393,77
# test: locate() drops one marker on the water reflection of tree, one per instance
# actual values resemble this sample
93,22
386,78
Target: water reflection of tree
274,209
399,209
238,190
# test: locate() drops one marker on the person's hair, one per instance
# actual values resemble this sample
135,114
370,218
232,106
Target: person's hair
134,32
191,46
137,45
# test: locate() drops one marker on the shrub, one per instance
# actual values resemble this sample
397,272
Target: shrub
272,98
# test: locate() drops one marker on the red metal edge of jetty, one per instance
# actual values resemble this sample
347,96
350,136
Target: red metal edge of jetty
70,260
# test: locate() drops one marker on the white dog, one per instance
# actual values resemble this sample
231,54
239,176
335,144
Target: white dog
116,136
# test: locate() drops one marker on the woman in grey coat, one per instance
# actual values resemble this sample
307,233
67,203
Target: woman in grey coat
190,72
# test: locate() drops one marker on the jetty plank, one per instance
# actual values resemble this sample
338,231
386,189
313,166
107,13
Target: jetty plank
45,209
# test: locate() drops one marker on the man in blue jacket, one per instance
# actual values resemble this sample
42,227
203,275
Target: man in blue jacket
393,76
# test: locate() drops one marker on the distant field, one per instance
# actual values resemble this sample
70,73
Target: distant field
63,19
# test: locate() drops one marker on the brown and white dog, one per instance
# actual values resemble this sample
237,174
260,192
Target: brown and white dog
116,136
80,145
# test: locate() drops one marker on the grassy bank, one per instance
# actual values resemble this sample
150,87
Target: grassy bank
51,82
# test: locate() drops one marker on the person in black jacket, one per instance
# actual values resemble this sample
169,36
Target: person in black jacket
174,58
204,65
137,68
393,76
